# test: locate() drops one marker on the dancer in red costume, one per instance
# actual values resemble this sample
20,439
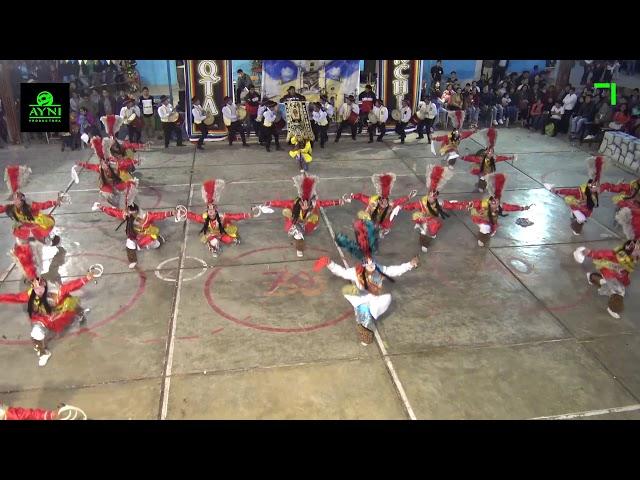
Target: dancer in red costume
218,228
613,268
379,208
583,199
122,149
302,214
140,229
487,159
428,219
450,143
50,312
628,193
485,212
64,412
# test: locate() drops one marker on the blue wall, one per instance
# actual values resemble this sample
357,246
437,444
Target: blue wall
466,69
154,72
521,65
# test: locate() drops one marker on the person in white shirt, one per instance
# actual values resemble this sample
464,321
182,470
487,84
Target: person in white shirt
382,114
428,111
555,117
568,102
405,113
231,121
328,107
269,129
198,118
133,127
260,118
349,115
321,123
164,111
145,102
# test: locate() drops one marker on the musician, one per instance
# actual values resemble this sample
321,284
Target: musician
405,113
269,129
234,126
164,111
252,103
367,100
133,127
382,114
328,107
428,111
198,118
145,102
347,110
292,95
260,119
320,123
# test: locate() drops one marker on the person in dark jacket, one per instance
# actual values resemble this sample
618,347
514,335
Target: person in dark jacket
586,113
292,95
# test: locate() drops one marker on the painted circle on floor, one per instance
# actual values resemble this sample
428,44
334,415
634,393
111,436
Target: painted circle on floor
281,283
166,279
100,296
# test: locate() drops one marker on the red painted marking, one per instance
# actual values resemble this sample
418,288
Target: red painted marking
217,330
193,337
268,328
152,340
121,311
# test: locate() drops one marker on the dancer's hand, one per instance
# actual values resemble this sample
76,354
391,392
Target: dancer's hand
96,206
415,261
321,263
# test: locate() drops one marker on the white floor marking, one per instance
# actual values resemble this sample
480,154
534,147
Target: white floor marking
590,413
162,264
174,321
385,355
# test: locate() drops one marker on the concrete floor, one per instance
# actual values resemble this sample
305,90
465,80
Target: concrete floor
510,332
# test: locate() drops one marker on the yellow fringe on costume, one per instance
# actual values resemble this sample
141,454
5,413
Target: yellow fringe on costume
350,290
363,215
125,176
151,230
571,201
41,219
312,217
232,231
624,261
68,305
305,152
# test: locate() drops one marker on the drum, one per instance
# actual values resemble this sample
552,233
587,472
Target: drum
241,112
131,118
173,117
415,119
372,117
396,115
353,118
209,119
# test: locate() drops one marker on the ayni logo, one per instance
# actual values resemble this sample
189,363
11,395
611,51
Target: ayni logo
44,107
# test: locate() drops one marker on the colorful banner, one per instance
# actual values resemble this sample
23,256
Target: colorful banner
311,78
210,81
400,79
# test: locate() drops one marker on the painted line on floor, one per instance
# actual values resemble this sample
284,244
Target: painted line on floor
385,355
323,179
590,413
174,319
162,264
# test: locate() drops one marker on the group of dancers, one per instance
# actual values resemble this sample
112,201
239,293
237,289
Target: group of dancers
51,308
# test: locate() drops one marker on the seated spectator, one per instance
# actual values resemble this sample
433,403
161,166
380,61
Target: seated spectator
620,118
455,102
546,112
602,115
453,78
586,113
499,108
475,88
510,110
557,111
470,104
535,115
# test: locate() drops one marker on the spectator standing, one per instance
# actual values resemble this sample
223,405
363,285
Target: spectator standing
107,104
147,108
569,102
242,82
437,72
74,102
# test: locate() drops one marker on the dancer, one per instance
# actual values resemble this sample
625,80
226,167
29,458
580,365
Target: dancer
379,209
486,160
64,412
29,222
612,272
51,312
451,143
365,294
583,199
140,229
118,148
302,214
628,193
218,228
485,212
428,219
301,152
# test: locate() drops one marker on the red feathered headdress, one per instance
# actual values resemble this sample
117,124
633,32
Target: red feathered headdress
306,185
437,176
595,167
15,176
495,184
365,238
96,145
212,190
24,258
383,183
112,123
492,137
106,147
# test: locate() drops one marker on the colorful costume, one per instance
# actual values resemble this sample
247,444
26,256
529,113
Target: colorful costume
302,214
48,311
629,220
301,152
365,294
451,142
613,269
430,211
141,232
217,228
122,149
29,223
487,159
583,199
65,412
485,212
381,216
629,193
